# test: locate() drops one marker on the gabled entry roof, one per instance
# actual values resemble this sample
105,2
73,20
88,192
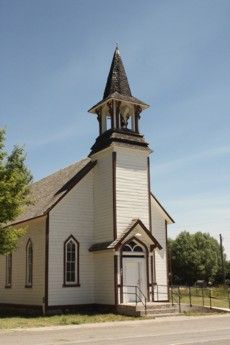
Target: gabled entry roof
132,229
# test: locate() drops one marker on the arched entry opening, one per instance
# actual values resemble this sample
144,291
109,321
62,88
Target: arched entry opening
134,270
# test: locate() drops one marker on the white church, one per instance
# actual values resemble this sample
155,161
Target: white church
96,234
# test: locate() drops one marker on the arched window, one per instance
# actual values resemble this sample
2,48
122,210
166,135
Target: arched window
29,264
132,247
71,262
8,271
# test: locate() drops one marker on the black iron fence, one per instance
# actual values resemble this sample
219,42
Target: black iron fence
214,297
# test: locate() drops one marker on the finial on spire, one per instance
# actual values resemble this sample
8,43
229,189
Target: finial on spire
117,48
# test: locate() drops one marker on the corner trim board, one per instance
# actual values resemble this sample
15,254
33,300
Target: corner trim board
46,304
114,163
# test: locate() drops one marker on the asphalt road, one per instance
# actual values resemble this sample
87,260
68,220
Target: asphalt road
211,330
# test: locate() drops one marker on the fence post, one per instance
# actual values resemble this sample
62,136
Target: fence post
202,295
228,298
210,297
157,294
179,299
190,296
172,295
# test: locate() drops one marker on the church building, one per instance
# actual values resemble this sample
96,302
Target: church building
96,234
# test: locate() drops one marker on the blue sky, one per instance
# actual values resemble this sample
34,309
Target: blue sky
55,57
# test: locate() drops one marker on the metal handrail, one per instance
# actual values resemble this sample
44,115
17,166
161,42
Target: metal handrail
137,290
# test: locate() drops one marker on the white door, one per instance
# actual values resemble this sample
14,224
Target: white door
134,274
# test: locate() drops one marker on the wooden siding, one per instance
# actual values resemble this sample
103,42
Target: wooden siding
104,277
131,187
103,197
73,215
158,231
18,293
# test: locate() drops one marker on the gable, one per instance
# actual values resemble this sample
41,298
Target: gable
160,209
47,192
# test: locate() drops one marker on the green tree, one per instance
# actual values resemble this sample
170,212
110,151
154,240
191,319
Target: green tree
194,257
14,193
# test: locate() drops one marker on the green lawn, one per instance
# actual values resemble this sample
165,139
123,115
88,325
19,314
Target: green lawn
9,322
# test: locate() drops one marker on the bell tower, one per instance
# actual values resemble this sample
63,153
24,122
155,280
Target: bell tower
121,179
118,111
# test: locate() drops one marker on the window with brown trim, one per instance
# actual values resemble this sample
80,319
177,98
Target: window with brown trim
8,271
29,264
71,262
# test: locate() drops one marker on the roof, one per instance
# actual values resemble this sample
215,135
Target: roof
117,85
117,80
46,192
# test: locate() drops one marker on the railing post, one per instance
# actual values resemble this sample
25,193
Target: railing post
157,294
202,295
136,294
190,296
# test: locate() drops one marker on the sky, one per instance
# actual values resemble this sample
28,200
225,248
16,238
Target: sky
54,60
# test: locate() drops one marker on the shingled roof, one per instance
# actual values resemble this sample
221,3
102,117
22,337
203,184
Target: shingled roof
117,85
117,80
49,190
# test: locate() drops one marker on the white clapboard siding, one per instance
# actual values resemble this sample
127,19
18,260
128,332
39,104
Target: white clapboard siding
132,198
18,293
103,197
159,232
104,277
73,215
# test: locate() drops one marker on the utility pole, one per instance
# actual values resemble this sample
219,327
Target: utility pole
222,257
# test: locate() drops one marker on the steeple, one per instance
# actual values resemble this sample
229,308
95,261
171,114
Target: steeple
118,111
117,80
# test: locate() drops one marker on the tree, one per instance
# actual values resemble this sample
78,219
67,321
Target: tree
14,193
194,257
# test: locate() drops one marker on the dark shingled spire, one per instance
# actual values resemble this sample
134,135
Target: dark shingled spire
117,80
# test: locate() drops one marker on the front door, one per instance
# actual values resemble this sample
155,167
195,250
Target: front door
134,274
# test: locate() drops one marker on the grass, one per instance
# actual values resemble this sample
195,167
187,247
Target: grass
219,296
20,321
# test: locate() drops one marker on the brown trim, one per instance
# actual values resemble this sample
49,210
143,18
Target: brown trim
114,163
138,221
46,264
115,280
149,195
77,178
152,282
77,263
24,221
166,252
26,278
21,306
82,306
163,209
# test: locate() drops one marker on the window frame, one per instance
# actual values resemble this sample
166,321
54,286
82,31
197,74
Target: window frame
29,265
8,282
77,262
